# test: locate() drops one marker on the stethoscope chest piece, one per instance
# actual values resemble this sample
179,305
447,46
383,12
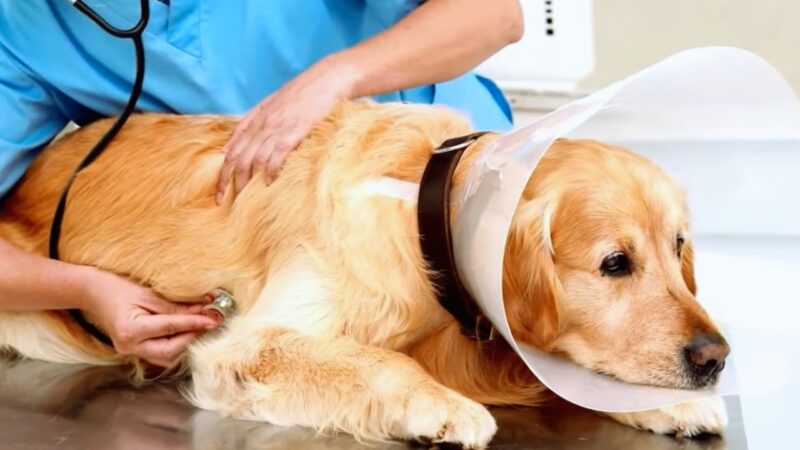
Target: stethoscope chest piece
223,305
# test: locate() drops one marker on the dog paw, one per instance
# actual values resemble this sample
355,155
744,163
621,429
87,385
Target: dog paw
705,415
443,416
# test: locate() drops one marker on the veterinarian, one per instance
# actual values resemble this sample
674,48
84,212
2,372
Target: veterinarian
282,67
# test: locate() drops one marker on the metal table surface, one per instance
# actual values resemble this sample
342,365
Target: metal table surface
52,406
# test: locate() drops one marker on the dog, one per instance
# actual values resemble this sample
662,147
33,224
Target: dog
339,325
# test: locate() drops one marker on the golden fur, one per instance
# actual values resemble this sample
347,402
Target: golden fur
339,326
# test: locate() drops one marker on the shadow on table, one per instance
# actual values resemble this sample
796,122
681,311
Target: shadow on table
45,405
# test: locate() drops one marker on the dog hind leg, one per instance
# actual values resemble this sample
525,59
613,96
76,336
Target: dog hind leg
289,378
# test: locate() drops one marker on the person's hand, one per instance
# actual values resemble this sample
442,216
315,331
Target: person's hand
266,134
142,324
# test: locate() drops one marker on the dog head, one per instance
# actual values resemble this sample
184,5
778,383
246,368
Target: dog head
599,266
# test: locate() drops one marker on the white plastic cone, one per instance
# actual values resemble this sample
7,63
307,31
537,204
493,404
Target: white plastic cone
694,95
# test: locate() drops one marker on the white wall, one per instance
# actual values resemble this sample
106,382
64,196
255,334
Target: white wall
631,34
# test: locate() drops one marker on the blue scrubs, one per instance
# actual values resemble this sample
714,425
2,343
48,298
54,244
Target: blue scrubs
202,56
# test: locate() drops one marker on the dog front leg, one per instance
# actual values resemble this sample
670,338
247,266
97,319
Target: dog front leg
288,378
704,415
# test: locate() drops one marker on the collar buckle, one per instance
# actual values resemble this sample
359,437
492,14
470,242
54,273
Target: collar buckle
484,331
458,143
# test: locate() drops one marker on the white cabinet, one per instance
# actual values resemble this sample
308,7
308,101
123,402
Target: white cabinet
556,51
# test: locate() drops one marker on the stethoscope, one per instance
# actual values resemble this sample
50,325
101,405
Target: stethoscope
135,34
224,304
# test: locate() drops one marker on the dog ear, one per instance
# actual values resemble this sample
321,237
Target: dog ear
531,288
687,267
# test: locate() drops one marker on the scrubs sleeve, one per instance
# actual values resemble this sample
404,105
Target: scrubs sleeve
29,120
390,12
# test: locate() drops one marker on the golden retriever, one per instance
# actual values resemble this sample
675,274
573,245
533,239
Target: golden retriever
339,326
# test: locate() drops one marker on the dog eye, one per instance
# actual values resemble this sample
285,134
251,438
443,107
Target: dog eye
616,265
679,241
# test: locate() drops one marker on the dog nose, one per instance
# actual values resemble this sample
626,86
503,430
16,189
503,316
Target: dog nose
705,355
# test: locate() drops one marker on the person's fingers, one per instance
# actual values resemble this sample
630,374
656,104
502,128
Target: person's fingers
282,146
211,296
191,308
151,326
242,157
165,351
158,305
246,164
232,151
244,124
273,167
242,172
241,127
224,177
266,151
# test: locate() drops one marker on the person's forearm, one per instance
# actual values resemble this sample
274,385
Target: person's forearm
438,41
32,283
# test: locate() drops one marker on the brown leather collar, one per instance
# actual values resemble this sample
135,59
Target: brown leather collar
433,218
